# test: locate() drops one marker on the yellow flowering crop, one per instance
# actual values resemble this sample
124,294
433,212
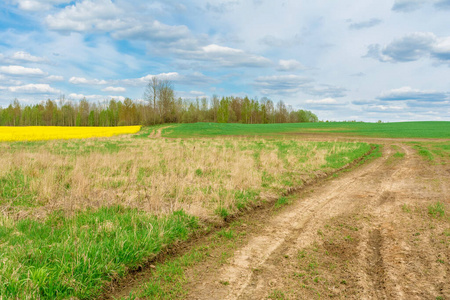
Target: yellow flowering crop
36,133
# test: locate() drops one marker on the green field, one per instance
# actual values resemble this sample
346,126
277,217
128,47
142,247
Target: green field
386,130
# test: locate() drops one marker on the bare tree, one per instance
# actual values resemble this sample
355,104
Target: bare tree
166,97
151,94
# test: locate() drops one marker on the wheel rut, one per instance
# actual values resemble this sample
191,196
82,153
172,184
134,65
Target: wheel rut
291,229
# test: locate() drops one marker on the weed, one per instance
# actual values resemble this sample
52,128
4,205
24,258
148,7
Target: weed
16,189
277,294
281,202
406,208
222,212
436,210
228,234
424,152
224,257
399,154
348,238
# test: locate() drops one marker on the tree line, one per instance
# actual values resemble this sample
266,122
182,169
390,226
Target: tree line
159,106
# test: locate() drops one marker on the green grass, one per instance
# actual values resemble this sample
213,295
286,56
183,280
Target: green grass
436,210
437,152
281,202
393,130
399,154
64,257
15,190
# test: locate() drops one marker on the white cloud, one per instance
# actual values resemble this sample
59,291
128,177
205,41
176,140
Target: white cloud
329,101
20,70
224,56
441,49
34,88
365,24
198,93
385,108
325,104
107,16
289,65
412,47
154,31
75,96
86,16
294,84
82,80
282,84
25,56
191,94
412,5
272,41
55,78
195,78
407,5
37,5
114,89
408,93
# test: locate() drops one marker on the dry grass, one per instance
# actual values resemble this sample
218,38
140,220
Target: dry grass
54,246
158,175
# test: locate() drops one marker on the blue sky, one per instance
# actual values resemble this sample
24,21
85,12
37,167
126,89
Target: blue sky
344,60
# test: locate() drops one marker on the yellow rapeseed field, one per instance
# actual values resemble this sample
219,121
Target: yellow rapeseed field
38,133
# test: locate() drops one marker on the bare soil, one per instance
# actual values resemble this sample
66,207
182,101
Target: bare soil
364,235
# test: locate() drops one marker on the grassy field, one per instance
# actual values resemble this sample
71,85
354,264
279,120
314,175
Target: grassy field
78,214
391,130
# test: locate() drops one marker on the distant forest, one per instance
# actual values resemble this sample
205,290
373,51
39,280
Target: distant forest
160,106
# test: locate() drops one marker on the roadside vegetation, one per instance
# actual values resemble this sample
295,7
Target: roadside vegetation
78,214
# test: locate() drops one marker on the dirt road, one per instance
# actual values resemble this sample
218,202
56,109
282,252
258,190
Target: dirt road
364,235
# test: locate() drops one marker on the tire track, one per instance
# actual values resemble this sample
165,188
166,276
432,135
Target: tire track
290,225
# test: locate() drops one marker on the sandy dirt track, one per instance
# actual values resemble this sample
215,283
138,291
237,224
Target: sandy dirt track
395,253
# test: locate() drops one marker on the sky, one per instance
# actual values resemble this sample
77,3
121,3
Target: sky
385,60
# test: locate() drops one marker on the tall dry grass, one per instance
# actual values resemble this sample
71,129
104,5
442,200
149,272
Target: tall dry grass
156,175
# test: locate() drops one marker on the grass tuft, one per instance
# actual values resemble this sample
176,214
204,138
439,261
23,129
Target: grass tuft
281,202
436,210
